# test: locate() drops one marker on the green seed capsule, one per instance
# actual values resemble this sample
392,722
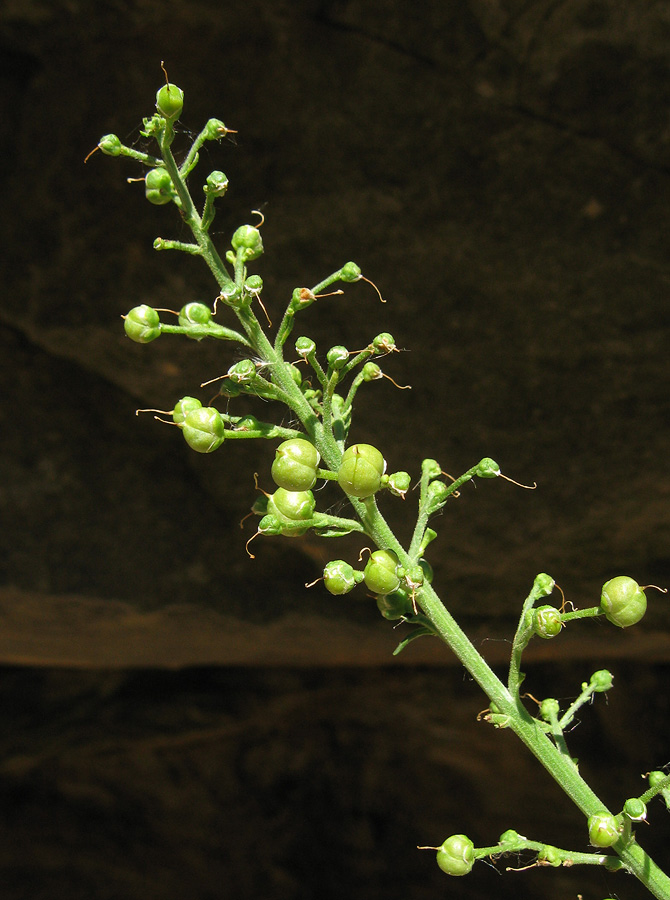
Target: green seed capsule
215,130
398,483
381,572
295,464
247,241
304,347
487,468
110,145
195,314
340,578
350,272
623,601
456,856
384,343
142,324
217,184
601,681
158,187
361,470
549,708
203,429
337,357
395,605
242,372
547,622
170,101
183,407
371,372
604,829
635,809
292,509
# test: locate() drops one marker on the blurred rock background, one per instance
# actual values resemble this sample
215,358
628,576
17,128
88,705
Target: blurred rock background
181,721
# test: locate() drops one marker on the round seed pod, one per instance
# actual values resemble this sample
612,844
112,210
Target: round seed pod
361,470
547,622
170,101
337,357
604,829
247,241
295,465
183,407
216,184
158,187
195,314
110,144
394,606
623,601
142,324
380,573
601,681
292,509
340,578
456,856
203,429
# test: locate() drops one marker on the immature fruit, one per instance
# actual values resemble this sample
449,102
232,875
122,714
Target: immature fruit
292,509
623,601
361,470
339,577
394,606
170,101
547,622
456,856
110,145
247,241
295,465
217,184
203,429
183,407
380,572
142,324
604,829
158,187
195,314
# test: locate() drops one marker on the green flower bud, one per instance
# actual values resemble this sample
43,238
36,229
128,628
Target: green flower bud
437,495
340,578
635,809
304,347
195,314
398,483
601,681
604,829
380,573
350,272
456,856
547,622
142,324
549,708
158,187
110,145
361,471
183,407
295,465
217,184
203,429
247,241
395,605
623,601
170,101
337,357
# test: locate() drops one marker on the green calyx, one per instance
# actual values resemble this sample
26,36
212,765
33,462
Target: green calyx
170,101
456,856
183,407
203,429
295,465
361,470
396,605
142,324
623,601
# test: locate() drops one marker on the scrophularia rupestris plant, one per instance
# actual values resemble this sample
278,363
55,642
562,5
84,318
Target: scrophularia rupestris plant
319,387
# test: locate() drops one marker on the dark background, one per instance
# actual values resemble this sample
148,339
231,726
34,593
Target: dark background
181,721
